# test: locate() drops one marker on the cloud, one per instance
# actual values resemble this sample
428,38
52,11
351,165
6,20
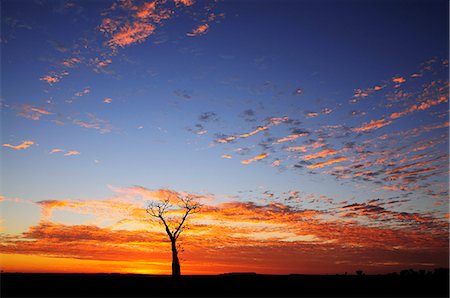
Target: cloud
184,2
290,138
326,163
320,154
72,153
23,145
208,117
398,80
71,62
226,156
276,163
130,34
422,106
103,126
55,150
54,77
269,122
200,30
50,79
220,232
33,113
258,157
107,100
245,135
311,114
84,92
304,148
373,124
298,92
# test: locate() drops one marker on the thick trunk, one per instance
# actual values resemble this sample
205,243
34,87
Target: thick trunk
176,272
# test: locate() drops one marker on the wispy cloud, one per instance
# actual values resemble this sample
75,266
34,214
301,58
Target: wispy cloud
72,153
373,124
103,126
258,157
31,112
56,150
23,145
83,92
54,77
369,230
131,33
71,62
200,30
326,163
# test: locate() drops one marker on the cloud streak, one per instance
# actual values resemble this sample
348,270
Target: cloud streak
21,146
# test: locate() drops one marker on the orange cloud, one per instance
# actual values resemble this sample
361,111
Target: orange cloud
72,153
315,145
184,2
129,34
23,145
312,114
245,236
419,107
373,124
290,138
278,120
71,62
30,112
226,156
146,10
50,79
53,77
245,135
326,163
258,157
398,80
55,150
200,30
321,154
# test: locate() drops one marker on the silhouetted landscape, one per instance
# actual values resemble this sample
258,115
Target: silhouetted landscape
407,283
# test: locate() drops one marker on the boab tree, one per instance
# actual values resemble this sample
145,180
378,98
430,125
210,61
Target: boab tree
172,213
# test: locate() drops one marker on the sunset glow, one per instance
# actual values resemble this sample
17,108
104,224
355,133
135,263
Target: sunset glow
315,136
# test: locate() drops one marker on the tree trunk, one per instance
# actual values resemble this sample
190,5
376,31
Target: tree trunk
176,272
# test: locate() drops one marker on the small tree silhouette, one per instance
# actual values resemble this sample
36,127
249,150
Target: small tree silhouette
172,213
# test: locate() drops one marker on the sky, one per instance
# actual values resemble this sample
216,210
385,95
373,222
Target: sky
313,133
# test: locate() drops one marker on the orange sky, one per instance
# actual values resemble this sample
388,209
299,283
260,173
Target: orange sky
226,237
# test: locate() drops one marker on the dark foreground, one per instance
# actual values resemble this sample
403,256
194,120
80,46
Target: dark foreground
131,285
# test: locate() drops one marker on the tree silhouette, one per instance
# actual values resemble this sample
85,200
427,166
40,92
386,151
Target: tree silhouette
172,213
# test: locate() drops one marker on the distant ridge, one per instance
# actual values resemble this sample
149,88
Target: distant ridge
238,273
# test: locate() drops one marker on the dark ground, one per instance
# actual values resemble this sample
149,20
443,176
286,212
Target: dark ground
134,285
